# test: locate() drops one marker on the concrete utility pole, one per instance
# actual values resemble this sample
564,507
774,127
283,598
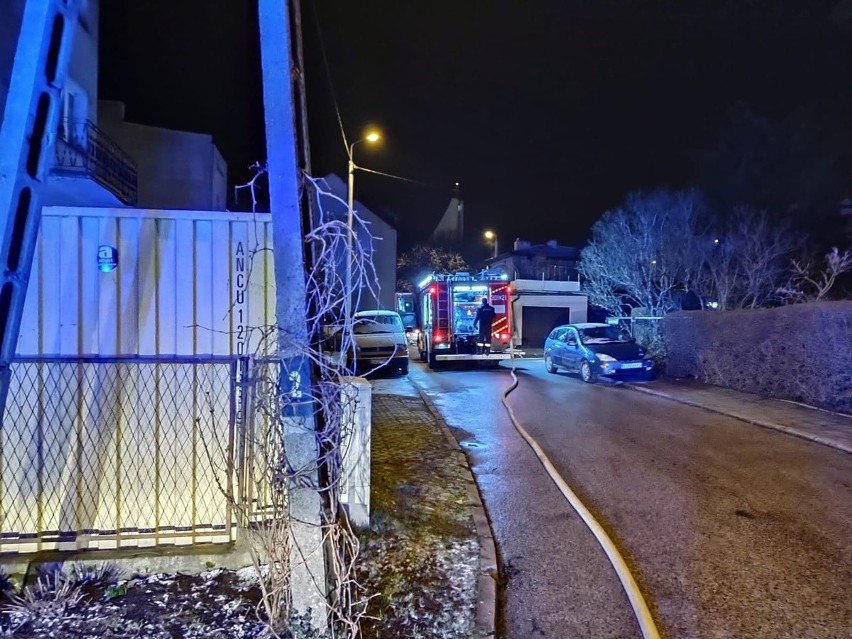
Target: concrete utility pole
38,63
308,580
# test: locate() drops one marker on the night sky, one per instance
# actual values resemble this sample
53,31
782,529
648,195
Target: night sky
547,112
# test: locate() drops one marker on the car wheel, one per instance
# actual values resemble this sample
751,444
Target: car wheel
549,365
586,372
649,376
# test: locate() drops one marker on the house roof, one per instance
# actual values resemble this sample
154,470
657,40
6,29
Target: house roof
338,187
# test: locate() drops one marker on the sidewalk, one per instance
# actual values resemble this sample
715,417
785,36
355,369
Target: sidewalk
831,429
429,552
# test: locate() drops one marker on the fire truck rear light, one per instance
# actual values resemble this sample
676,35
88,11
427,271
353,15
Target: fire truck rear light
438,337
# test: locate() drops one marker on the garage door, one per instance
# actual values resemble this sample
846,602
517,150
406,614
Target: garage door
538,321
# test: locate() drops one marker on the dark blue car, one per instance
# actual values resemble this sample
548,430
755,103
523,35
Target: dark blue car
593,350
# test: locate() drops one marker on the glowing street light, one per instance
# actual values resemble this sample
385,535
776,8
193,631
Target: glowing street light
491,236
371,137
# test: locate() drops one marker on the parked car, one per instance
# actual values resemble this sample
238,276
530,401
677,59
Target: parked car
380,341
594,350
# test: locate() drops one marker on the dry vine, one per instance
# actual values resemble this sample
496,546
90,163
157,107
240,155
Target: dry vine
260,495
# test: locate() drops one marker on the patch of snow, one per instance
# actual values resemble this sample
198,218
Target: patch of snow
211,574
249,575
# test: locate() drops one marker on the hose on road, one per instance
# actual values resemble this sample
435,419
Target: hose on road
631,588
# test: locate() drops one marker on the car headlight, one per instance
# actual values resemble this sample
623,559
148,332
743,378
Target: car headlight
606,358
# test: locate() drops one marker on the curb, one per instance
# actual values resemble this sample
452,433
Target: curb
749,420
485,615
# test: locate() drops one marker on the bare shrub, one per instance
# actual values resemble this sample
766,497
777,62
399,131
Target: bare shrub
812,280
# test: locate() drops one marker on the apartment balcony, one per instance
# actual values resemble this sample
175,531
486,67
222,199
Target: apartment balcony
83,150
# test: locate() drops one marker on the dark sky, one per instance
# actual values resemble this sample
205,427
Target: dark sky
547,111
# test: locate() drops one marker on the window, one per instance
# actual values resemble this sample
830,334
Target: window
604,335
378,324
557,334
75,112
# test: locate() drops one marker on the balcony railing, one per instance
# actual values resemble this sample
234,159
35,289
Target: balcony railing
83,149
548,272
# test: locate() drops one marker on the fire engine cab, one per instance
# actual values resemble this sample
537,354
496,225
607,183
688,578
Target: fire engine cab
448,305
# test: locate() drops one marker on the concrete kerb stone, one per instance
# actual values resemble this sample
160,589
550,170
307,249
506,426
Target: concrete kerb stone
802,434
486,589
191,560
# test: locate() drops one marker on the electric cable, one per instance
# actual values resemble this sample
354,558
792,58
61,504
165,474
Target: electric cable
404,179
328,75
631,588
327,68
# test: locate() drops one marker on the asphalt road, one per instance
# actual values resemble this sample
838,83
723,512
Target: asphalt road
732,531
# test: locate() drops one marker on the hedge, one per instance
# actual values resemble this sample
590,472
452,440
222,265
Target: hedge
801,352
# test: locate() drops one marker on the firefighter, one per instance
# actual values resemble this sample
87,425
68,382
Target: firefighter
484,318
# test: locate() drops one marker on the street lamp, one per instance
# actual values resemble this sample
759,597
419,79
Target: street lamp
371,138
492,237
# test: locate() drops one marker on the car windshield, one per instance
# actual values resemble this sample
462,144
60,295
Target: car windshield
604,335
378,324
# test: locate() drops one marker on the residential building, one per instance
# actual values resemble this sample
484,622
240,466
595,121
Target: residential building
545,288
87,168
100,160
176,170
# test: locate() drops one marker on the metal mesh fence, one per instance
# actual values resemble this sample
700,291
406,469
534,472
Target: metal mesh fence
99,453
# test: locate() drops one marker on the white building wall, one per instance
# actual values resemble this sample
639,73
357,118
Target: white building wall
176,169
187,283
219,181
83,66
383,255
546,294
377,236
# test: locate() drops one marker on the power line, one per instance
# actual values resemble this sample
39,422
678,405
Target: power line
403,179
328,76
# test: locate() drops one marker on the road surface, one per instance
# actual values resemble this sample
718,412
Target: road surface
731,530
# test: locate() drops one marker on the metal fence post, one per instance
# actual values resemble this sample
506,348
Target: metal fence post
242,388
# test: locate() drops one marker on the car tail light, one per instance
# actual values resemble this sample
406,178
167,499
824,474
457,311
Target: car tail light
437,337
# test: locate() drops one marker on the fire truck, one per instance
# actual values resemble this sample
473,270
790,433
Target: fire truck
448,305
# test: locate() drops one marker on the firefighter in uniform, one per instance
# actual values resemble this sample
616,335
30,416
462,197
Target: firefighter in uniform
483,320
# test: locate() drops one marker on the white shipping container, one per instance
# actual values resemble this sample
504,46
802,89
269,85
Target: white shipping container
184,283
115,453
